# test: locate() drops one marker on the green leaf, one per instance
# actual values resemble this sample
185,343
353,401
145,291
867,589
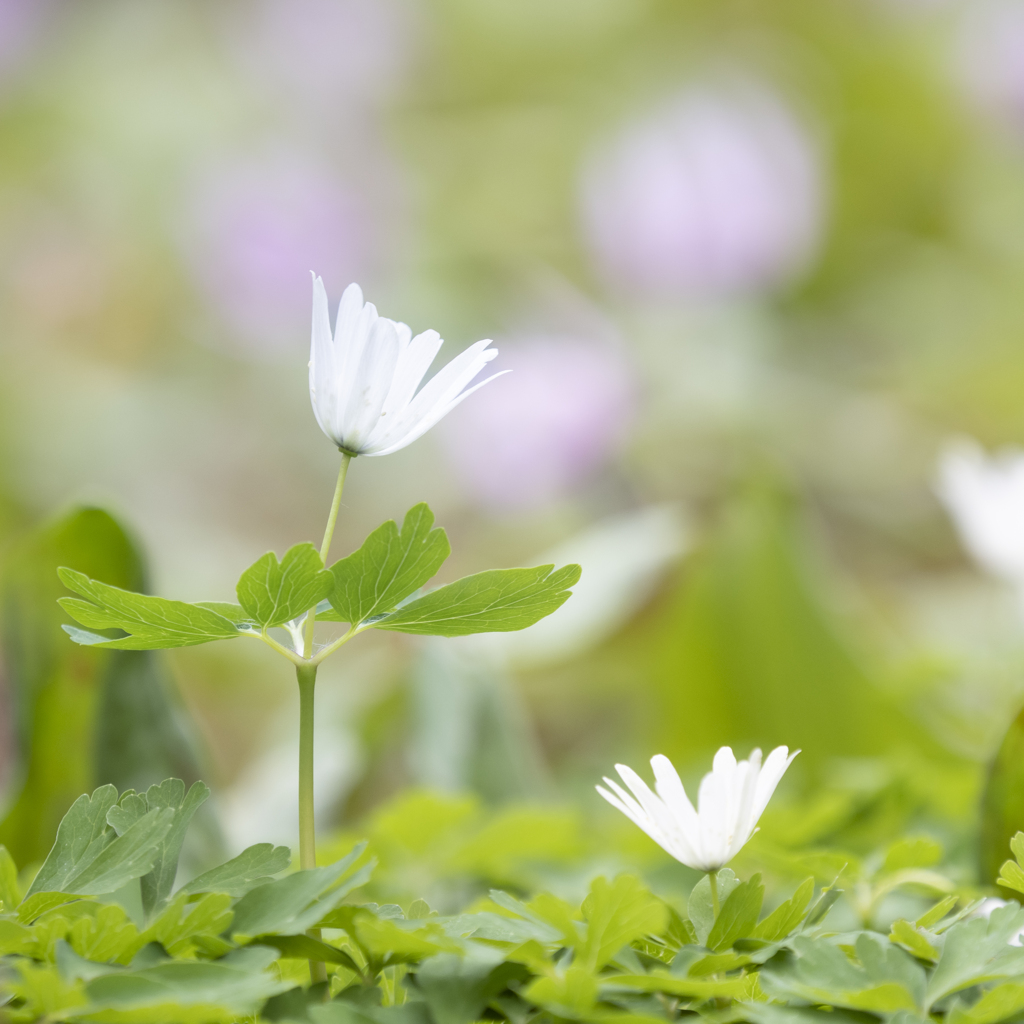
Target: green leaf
292,904
977,950
83,717
458,988
183,924
1011,875
1000,1003
938,912
157,884
151,622
10,891
389,567
913,940
571,994
618,912
306,948
687,988
89,858
738,916
498,600
272,593
885,980
254,866
109,935
1002,802
700,906
786,916
188,992
230,611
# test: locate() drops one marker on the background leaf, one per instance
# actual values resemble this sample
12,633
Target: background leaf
81,717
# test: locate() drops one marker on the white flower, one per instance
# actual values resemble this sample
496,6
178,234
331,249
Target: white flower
731,799
985,496
363,381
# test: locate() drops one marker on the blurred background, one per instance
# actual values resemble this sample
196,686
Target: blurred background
755,267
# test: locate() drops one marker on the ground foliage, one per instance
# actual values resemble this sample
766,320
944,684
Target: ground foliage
98,933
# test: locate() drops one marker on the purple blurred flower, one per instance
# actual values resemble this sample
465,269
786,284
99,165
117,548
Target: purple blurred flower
256,229
21,23
322,50
718,192
544,428
992,56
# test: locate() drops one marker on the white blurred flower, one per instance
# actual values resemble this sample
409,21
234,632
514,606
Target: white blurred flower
719,192
363,382
985,497
731,799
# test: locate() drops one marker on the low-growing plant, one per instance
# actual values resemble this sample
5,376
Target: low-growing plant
100,934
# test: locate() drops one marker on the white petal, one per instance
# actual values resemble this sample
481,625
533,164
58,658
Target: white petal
413,364
670,788
775,767
322,391
444,386
370,384
438,414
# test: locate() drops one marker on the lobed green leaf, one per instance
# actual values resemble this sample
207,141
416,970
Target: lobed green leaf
390,565
151,622
272,593
498,600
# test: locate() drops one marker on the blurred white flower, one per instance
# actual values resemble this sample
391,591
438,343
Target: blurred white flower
730,802
992,56
985,497
363,381
719,192
571,401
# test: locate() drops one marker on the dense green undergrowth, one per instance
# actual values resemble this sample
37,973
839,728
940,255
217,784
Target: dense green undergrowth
98,932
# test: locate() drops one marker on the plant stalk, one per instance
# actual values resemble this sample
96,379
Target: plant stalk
306,675
332,519
713,881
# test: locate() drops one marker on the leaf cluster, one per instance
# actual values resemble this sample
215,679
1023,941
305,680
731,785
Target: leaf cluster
232,943
378,586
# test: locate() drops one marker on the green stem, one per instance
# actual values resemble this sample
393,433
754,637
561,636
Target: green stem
306,675
713,880
307,651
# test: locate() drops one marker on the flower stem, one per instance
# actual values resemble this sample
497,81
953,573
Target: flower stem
306,675
307,651
713,881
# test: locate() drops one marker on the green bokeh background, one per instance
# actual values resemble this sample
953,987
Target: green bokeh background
824,600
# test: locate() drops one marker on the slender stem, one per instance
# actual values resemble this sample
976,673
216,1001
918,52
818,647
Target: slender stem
307,651
306,675
307,843
713,880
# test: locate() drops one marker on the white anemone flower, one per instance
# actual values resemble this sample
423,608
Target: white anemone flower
985,496
731,799
363,382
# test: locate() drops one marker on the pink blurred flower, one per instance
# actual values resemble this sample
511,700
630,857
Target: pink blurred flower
547,426
992,56
718,192
256,229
